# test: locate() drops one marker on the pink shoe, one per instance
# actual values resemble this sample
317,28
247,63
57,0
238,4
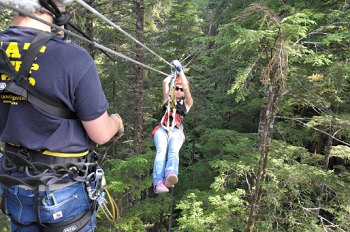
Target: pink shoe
160,188
171,179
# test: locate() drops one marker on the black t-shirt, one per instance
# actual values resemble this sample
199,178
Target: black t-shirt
62,71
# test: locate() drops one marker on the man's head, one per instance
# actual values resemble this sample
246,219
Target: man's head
31,6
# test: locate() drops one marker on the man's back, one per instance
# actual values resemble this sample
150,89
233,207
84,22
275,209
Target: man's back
61,71
55,188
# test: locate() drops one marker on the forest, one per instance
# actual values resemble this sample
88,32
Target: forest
267,145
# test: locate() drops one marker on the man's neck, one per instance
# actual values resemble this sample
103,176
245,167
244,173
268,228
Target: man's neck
24,21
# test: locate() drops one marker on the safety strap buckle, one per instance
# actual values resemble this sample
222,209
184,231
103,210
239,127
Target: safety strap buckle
24,153
19,79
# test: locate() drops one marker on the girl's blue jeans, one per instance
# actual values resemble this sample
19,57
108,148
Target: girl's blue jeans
167,154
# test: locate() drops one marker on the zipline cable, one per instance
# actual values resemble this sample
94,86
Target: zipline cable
81,2
8,6
86,36
91,9
193,54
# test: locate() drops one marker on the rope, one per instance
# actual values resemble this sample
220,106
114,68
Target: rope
171,106
171,210
91,9
118,28
111,216
193,54
86,36
80,37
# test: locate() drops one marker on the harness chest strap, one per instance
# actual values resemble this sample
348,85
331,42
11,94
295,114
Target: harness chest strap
19,85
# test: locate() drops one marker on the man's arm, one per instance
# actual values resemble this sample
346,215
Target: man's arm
104,128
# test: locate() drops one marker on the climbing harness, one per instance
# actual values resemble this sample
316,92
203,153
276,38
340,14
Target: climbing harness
173,112
170,109
45,170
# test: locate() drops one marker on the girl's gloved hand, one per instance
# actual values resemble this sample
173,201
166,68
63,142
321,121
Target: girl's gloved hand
177,65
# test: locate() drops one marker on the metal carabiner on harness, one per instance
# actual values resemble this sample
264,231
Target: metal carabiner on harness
171,108
99,192
100,184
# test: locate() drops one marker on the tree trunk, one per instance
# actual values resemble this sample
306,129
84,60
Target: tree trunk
139,77
329,143
266,124
274,78
90,28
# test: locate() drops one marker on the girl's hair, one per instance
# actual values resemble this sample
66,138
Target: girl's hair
178,81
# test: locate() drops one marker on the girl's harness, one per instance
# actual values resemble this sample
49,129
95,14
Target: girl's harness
171,118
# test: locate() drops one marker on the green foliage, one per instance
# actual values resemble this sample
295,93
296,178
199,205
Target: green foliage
298,195
4,222
211,213
6,19
226,142
341,151
150,211
227,45
130,174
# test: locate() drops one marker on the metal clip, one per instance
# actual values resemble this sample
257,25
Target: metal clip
101,199
50,197
99,174
91,192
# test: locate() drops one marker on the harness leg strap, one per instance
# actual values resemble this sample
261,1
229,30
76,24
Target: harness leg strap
75,224
36,206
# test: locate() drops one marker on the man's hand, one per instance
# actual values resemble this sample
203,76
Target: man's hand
120,131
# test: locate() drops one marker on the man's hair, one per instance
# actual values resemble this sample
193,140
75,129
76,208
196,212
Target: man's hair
31,6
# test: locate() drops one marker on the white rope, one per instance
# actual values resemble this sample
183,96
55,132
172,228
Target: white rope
80,37
88,7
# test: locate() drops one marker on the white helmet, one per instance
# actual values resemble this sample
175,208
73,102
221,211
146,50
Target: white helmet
31,6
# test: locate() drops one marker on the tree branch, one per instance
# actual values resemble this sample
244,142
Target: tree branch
316,129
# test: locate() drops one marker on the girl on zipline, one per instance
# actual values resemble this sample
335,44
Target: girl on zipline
168,134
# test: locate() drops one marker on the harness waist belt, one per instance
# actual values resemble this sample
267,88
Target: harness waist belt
52,186
48,157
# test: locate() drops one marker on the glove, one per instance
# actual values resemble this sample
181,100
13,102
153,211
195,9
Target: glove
177,65
168,79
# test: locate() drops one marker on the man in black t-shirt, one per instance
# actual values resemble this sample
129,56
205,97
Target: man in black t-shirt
62,71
